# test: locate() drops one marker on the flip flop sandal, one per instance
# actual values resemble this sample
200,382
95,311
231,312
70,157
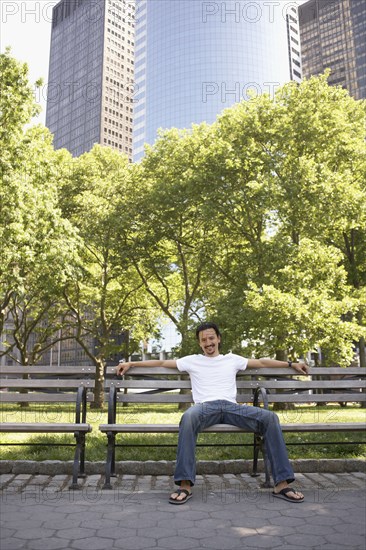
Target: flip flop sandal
182,501
284,495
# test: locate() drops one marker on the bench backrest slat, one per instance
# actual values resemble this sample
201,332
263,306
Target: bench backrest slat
317,398
289,384
34,369
42,383
154,398
12,397
314,371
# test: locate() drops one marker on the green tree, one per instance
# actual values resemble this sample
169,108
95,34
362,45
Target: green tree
303,308
38,245
238,199
286,172
319,161
107,298
17,107
171,242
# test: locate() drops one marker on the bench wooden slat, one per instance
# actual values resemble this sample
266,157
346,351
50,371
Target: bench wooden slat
282,371
244,398
45,383
303,384
38,427
154,398
316,397
328,371
161,428
146,384
18,369
288,384
174,428
325,427
13,397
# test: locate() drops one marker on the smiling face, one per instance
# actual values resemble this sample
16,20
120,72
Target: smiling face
209,342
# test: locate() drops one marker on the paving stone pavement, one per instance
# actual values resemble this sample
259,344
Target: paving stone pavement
228,511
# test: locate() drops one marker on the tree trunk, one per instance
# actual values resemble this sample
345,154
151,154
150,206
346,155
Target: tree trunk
362,361
98,402
24,404
362,348
281,355
184,406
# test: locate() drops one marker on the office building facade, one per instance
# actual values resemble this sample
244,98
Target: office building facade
91,75
194,58
333,35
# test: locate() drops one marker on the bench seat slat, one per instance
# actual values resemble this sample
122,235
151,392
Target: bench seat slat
161,428
39,427
325,427
244,398
173,428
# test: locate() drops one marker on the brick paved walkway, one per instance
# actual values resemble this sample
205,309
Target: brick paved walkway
226,512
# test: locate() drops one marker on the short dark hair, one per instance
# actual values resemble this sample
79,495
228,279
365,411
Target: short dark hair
205,326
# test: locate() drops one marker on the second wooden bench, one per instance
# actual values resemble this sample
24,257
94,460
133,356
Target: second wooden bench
26,386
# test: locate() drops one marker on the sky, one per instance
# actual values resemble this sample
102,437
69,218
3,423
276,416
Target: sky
25,26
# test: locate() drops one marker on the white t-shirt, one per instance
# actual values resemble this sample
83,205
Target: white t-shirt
213,378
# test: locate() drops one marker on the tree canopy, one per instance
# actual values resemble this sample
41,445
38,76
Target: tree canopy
39,247
257,221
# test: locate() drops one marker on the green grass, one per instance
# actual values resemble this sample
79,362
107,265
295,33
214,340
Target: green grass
96,441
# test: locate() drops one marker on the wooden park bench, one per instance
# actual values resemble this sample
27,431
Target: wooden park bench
264,386
27,386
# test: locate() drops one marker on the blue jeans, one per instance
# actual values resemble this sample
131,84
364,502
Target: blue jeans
201,416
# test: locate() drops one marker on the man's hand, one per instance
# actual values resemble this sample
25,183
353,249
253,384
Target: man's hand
301,368
122,368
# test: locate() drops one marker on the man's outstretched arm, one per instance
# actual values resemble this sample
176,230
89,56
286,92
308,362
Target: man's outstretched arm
122,368
301,368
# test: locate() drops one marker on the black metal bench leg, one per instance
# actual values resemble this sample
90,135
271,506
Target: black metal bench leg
113,461
110,464
82,456
76,469
267,468
256,448
259,447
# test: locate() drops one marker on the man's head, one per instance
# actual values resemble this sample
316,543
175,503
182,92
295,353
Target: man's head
209,339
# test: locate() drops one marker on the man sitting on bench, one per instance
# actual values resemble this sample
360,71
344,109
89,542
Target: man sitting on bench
213,379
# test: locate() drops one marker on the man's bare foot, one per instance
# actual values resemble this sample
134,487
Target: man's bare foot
284,491
181,494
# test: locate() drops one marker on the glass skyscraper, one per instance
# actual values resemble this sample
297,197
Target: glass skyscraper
333,35
194,58
91,75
